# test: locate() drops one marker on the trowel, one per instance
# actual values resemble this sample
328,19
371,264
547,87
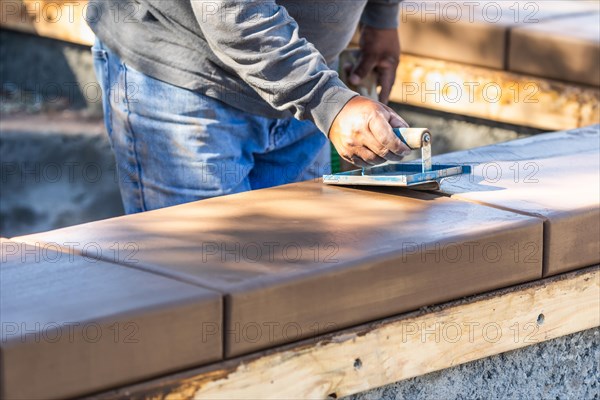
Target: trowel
420,176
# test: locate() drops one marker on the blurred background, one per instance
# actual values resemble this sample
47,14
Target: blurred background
474,72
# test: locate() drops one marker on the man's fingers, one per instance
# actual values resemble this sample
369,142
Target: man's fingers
382,131
385,79
371,142
362,133
367,157
395,120
365,65
362,157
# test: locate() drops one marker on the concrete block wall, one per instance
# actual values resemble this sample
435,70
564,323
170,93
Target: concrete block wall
563,368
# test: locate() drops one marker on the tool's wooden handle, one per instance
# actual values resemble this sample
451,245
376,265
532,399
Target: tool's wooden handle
414,138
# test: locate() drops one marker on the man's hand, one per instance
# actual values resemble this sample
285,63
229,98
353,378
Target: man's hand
362,133
379,51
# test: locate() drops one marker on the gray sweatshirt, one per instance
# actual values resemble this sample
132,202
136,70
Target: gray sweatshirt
269,58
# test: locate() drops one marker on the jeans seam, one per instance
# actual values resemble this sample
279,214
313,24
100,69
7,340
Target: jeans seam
140,185
109,112
276,134
101,56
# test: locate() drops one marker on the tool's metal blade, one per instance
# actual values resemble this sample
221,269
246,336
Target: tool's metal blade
403,174
431,185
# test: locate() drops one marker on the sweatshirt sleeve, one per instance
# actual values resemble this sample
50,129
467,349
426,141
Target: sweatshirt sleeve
381,14
259,41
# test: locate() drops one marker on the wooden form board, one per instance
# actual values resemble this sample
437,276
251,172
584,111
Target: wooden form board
387,351
72,325
291,265
554,176
495,95
56,19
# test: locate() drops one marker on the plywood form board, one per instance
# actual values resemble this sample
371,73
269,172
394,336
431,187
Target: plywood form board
58,19
302,259
408,345
567,49
555,176
73,325
474,33
496,95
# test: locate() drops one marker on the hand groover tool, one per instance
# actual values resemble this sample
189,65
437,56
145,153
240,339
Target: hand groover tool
423,176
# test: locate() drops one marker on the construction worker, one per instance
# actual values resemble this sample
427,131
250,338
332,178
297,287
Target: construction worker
206,98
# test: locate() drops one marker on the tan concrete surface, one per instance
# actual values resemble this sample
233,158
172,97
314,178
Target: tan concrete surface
555,176
73,325
303,259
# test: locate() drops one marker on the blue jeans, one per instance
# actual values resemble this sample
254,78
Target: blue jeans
174,145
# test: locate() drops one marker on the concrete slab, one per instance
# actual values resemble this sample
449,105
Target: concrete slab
555,176
474,33
73,325
303,259
566,49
